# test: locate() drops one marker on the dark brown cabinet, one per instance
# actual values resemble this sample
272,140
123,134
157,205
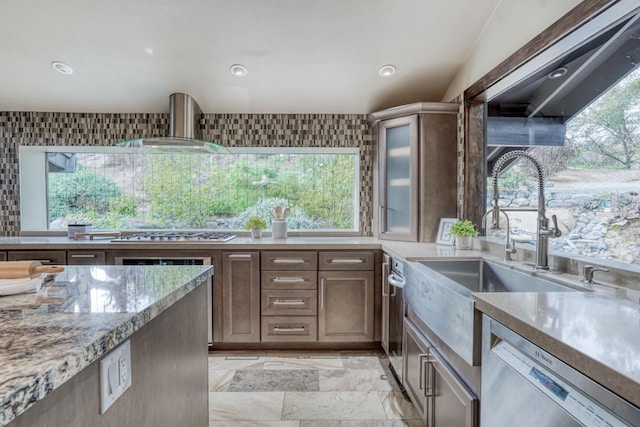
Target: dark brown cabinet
289,296
86,257
438,394
416,176
44,257
346,298
240,303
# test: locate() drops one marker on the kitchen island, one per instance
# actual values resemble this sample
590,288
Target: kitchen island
51,343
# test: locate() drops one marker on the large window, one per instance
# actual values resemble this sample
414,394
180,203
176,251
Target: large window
579,116
120,189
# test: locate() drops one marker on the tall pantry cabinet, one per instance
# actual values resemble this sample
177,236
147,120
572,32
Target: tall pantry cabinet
416,176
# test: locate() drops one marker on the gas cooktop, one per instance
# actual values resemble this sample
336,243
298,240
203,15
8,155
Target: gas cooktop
176,236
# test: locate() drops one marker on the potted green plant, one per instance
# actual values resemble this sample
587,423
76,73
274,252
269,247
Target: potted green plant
463,231
256,225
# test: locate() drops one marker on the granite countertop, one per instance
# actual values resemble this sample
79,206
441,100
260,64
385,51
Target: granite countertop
598,333
48,337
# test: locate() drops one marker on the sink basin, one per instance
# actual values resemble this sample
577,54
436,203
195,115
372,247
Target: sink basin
482,276
439,292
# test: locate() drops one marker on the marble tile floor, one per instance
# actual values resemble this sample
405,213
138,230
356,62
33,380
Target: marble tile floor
305,389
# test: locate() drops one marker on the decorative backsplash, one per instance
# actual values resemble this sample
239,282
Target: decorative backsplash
232,130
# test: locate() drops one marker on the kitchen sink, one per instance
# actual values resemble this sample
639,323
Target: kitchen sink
440,293
482,276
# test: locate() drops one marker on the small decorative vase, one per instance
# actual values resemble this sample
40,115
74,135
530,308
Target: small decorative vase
256,233
463,242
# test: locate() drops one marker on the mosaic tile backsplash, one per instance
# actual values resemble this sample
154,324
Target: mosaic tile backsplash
232,130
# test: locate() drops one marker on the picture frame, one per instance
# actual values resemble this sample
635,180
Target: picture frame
444,236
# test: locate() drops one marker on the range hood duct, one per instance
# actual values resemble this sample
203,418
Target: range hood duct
185,135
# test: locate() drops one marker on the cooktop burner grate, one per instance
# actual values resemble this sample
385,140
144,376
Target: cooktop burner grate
176,236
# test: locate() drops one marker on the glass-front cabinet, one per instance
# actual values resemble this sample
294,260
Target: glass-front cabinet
416,174
398,197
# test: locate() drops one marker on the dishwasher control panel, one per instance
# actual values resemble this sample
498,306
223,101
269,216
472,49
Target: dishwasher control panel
581,407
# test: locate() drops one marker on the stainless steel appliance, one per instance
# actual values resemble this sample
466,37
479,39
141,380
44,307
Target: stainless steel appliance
392,314
524,385
141,260
176,236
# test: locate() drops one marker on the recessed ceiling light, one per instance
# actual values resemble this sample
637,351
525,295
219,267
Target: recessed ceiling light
238,70
149,50
387,70
558,73
61,67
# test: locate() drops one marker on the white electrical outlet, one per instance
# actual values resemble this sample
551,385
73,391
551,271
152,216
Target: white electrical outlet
115,375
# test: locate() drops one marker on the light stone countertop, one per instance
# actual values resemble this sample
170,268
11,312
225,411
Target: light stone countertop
597,333
48,337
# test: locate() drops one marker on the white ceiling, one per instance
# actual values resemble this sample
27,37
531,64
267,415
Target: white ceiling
303,56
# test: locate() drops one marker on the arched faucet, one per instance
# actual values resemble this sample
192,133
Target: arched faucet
543,231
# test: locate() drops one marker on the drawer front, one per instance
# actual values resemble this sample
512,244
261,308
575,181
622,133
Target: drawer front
289,329
86,257
290,303
44,257
351,260
289,280
301,260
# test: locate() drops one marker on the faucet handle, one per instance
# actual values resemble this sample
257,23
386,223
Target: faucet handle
556,231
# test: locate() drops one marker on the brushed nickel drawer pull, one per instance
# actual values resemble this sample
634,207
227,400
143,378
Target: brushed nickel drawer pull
285,329
240,256
288,261
288,279
43,261
322,293
288,302
83,255
346,261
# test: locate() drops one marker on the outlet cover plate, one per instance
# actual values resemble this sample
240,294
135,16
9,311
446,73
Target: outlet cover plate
115,375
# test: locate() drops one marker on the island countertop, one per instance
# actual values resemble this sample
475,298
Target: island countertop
48,337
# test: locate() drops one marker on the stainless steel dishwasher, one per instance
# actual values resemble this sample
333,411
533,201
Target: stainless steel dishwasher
393,314
526,386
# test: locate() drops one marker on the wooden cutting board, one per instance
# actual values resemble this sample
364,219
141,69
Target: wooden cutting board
21,269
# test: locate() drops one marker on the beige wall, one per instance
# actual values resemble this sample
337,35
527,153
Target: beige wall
514,23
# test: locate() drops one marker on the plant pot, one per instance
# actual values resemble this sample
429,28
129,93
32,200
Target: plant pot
463,242
256,233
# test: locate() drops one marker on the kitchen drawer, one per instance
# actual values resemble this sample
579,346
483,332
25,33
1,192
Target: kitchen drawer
289,328
289,280
300,260
44,257
86,257
351,260
290,303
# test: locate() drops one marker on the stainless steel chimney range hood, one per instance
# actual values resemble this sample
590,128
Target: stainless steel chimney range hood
185,135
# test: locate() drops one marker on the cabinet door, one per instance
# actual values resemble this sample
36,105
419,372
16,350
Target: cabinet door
86,257
3,256
398,178
414,372
386,264
345,309
281,260
240,297
345,260
454,405
44,257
